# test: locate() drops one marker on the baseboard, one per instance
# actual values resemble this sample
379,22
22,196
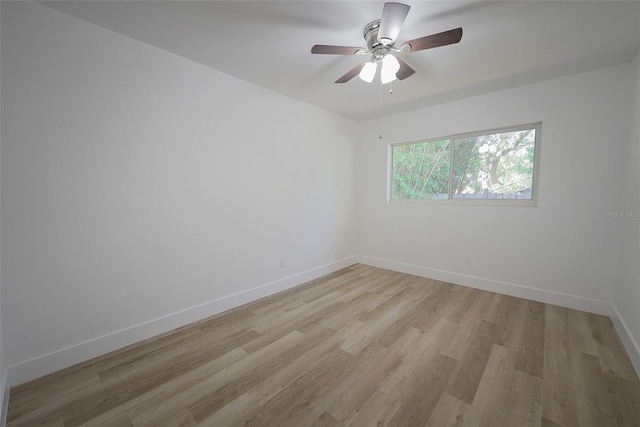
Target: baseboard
54,361
4,389
570,301
534,294
629,343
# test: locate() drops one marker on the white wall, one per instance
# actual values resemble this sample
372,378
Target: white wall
564,250
626,297
141,190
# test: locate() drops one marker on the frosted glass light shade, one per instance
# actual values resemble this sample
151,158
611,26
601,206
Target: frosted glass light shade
390,67
391,63
368,72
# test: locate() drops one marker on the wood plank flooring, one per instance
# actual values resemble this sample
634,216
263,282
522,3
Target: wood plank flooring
360,347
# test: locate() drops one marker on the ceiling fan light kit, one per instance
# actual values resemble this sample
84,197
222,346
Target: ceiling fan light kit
381,36
390,66
368,72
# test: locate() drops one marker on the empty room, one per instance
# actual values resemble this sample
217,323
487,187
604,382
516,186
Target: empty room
320,213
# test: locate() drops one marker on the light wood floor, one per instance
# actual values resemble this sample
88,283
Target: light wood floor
360,347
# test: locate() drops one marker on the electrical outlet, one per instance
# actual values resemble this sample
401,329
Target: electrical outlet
282,261
467,260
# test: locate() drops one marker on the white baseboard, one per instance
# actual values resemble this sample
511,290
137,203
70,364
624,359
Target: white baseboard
60,359
629,343
4,389
54,361
534,294
570,301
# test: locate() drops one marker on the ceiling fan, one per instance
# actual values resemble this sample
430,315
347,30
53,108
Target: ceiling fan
380,36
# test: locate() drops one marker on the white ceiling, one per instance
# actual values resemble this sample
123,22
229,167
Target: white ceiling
505,44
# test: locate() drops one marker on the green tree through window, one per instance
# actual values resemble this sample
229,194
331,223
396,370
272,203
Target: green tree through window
421,171
486,165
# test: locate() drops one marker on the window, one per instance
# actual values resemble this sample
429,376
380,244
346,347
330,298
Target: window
490,167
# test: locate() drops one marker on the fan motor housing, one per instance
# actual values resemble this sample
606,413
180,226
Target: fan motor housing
370,34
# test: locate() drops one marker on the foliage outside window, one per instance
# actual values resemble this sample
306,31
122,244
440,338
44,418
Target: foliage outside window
493,166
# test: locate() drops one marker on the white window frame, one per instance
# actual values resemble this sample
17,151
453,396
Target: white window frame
472,201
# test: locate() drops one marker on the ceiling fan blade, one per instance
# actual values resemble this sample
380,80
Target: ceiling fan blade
393,16
404,71
351,74
336,50
434,40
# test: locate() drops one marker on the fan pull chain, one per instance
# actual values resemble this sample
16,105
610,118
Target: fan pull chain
380,108
380,105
